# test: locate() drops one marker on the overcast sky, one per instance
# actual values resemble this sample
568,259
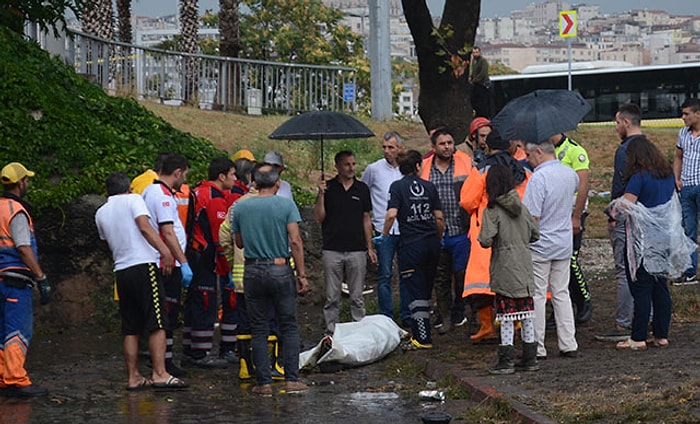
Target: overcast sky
489,8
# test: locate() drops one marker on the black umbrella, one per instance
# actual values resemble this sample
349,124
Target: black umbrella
321,125
541,114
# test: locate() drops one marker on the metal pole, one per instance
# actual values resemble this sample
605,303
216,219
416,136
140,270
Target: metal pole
568,43
380,59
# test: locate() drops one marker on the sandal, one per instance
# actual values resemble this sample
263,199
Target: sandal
631,345
143,385
661,343
173,383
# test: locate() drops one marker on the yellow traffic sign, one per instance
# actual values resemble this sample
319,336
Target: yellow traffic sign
568,23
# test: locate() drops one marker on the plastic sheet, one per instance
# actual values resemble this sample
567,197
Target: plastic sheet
655,236
356,343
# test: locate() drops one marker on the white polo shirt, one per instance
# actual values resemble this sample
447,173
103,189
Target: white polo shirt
162,208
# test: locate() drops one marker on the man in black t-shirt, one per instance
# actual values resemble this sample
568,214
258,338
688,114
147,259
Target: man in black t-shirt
343,209
416,205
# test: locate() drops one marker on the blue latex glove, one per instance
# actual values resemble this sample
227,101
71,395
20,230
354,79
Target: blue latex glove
229,281
186,274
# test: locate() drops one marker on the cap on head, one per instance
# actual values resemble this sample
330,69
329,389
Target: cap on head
478,122
495,142
14,172
243,154
274,158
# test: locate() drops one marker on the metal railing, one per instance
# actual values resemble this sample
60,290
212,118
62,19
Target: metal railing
211,82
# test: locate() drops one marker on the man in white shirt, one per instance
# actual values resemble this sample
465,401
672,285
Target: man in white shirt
162,207
123,222
378,176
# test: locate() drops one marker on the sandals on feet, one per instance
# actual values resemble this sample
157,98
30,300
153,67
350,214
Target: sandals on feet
143,385
173,383
631,345
661,343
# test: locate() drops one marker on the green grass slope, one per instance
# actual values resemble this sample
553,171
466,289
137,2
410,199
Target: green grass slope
73,134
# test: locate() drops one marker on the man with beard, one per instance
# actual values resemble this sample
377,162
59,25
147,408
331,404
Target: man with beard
447,169
163,211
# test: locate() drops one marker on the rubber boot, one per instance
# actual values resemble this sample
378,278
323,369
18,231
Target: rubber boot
528,362
246,369
486,320
277,369
505,361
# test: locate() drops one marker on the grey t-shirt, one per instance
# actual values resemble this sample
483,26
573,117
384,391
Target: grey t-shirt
19,228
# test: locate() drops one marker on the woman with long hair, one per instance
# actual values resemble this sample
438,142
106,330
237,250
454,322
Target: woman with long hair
652,211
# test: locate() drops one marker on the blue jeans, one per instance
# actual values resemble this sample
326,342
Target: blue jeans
690,205
269,287
385,261
650,291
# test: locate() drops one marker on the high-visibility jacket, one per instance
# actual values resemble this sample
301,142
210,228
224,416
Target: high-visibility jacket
9,255
473,199
462,162
234,255
185,205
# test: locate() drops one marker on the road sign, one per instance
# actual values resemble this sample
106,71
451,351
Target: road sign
348,92
568,23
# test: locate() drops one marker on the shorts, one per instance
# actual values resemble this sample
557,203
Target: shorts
141,299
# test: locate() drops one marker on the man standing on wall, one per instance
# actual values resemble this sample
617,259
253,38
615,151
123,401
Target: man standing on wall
479,77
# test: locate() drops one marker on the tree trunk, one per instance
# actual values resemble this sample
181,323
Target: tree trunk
124,19
230,46
189,21
443,72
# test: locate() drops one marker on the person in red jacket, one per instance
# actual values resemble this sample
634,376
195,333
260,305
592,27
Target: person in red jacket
213,198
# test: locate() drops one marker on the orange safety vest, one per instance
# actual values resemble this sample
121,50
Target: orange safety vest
473,199
9,255
462,161
182,198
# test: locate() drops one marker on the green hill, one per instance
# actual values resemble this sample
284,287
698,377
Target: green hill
73,134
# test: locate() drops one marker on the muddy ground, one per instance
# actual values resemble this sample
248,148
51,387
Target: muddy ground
601,385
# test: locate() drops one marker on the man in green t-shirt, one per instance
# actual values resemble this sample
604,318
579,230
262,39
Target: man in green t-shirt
573,155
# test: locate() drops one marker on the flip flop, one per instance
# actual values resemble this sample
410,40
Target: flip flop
661,343
173,383
631,345
143,385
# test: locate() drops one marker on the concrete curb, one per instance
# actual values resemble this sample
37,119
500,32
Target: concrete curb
481,392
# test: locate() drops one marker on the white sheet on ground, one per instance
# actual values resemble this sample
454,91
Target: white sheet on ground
357,343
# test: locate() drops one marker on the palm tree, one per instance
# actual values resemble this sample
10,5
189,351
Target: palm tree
230,46
189,23
124,19
98,18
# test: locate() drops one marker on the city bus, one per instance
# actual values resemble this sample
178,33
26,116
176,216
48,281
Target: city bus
658,89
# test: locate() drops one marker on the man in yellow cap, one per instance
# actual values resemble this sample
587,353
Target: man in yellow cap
19,271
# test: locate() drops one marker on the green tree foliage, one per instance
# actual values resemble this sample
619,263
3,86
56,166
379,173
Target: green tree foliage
49,14
303,31
73,134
